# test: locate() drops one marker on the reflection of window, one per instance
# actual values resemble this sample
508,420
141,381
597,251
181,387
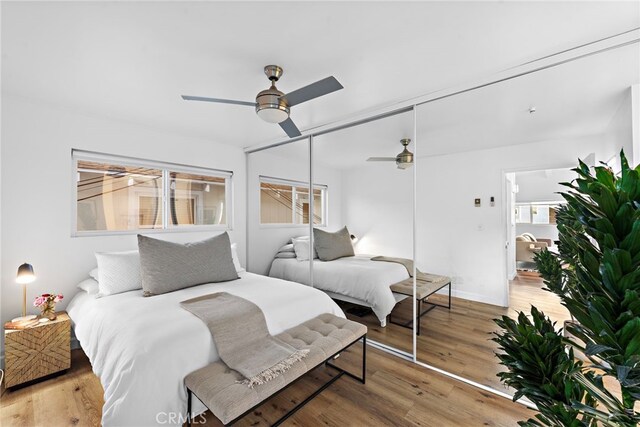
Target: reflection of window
536,213
287,202
116,194
197,199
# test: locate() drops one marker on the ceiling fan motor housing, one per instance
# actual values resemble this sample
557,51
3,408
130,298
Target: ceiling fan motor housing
270,104
404,160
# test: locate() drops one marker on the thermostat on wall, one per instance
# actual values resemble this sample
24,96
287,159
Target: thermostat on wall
477,202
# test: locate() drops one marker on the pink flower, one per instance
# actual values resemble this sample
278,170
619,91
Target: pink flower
39,301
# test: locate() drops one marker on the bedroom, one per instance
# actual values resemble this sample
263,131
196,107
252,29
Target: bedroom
107,78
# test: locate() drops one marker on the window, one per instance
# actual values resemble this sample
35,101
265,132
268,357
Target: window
118,194
537,213
286,202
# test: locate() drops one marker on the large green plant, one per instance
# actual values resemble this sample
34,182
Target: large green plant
597,277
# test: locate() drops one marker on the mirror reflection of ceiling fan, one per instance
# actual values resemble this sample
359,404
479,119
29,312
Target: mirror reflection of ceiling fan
404,160
274,106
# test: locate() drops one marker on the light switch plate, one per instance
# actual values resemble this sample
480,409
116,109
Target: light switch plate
477,202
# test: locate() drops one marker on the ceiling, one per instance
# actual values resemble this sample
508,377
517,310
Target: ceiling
131,61
572,100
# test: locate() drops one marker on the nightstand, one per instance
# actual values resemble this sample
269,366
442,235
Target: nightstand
37,351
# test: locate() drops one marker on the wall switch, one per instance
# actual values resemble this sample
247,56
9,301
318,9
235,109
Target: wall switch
477,202
493,201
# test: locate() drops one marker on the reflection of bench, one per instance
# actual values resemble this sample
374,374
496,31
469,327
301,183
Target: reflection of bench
219,387
424,289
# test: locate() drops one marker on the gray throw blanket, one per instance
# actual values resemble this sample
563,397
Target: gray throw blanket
408,264
240,332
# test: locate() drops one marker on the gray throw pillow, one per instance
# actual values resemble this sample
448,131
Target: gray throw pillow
168,266
332,246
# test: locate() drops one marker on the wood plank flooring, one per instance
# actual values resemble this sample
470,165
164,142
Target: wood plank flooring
459,340
397,393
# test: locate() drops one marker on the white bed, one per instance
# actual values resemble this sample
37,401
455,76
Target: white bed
142,348
355,279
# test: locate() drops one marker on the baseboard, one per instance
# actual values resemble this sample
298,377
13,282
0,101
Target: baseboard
471,296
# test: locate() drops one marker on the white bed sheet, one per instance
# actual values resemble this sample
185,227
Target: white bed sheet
142,348
357,277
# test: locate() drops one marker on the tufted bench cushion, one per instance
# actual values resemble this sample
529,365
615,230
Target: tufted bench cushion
217,386
424,288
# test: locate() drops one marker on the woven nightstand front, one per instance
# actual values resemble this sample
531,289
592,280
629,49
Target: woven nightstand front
38,351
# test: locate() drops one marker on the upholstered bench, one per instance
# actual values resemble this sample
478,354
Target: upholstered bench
219,387
428,285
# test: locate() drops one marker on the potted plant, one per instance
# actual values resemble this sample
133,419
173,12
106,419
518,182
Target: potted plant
597,277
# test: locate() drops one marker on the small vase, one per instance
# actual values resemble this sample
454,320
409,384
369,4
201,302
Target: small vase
49,310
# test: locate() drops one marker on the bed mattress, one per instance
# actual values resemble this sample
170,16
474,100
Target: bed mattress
142,348
357,277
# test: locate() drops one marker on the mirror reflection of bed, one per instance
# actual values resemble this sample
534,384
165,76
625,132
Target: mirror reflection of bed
373,199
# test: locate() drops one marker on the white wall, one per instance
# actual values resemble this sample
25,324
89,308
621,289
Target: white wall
264,241
542,185
37,196
377,200
620,129
455,238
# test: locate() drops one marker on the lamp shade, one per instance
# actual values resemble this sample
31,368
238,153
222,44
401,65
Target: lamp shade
25,274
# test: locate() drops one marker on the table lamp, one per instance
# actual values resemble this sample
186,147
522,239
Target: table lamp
25,275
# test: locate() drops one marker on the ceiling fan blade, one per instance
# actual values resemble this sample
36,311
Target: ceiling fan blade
381,159
290,128
314,90
220,100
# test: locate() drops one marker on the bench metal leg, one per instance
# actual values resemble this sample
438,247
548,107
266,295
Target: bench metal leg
188,408
340,373
420,313
362,378
307,400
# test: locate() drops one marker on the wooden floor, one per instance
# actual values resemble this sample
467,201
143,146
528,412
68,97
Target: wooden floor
458,340
396,393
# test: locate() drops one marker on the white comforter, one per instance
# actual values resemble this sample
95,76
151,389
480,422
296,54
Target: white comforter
356,277
142,348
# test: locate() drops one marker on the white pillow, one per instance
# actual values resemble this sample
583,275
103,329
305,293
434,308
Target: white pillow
118,272
90,286
301,248
236,259
94,274
303,238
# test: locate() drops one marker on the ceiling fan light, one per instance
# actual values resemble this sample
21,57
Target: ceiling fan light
273,114
404,165
271,106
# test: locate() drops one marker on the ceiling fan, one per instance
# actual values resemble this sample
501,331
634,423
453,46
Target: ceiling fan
404,160
274,106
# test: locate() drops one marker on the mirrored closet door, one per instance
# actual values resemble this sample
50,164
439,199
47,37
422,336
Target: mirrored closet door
370,192
479,153
279,211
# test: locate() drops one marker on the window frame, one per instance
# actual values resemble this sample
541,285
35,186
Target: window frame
166,168
324,199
